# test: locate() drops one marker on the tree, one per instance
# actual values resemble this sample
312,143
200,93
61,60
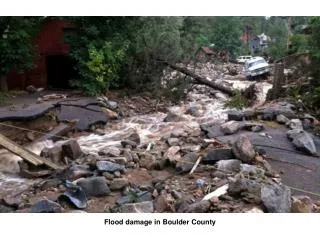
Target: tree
16,48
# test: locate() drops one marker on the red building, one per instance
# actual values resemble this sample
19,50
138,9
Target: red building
53,67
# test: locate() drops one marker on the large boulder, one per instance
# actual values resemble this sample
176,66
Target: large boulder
94,186
302,141
243,149
235,115
294,124
282,119
276,198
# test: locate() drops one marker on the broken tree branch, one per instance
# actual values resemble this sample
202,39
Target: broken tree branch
202,80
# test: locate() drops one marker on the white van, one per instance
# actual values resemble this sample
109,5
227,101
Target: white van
255,67
243,59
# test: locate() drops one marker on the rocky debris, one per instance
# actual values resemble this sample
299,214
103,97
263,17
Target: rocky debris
147,161
276,198
250,114
71,149
173,117
173,141
46,206
251,170
187,162
129,143
74,196
301,204
252,126
94,186
194,110
172,154
164,203
218,154
302,141
112,115
119,183
229,166
268,114
197,207
76,171
243,149
54,154
235,115
230,127
107,166
141,207
282,119
135,195
295,124
248,189
110,152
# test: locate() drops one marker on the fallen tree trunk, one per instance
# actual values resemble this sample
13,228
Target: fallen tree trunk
203,80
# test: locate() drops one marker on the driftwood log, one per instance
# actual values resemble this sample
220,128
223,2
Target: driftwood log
202,80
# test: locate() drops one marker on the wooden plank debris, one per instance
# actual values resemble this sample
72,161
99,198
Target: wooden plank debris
25,154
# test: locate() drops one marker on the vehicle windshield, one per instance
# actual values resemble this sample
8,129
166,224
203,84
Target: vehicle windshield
255,63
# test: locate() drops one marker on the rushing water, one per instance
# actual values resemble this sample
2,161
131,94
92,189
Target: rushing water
150,128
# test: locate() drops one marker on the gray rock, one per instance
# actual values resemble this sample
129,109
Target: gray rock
301,204
54,154
232,165
230,127
71,149
112,105
173,141
142,207
252,170
243,149
187,162
78,171
127,154
120,160
147,161
108,176
94,186
46,206
282,119
244,186
194,110
173,154
235,115
302,141
252,126
215,155
276,198
295,124
117,174
268,114
106,166
126,143
119,183
250,114
198,207
190,148
110,152
173,117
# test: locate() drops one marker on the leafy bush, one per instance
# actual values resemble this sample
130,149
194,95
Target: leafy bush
238,101
100,70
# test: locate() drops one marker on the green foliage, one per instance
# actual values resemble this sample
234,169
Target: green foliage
238,101
16,48
101,69
299,43
278,31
